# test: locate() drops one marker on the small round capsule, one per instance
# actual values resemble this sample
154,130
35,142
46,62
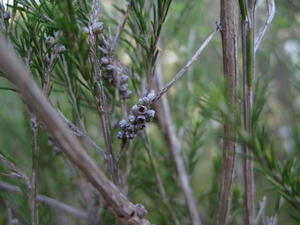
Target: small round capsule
123,79
127,94
144,101
104,60
85,30
110,67
49,41
6,15
150,113
142,109
46,59
135,109
141,119
123,87
120,135
151,96
122,124
61,49
131,118
97,28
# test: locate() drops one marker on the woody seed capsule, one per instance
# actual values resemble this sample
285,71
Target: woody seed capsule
141,119
104,60
46,59
131,118
128,94
61,49
97,27
123,87
58,34
85,30
49,40
135,109
6,15
150,113
151,96
144,101
122,124
123,79
110,67
142,109
120,134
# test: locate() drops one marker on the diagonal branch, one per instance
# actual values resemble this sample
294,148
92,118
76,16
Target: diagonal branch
184,69
83,135
15,71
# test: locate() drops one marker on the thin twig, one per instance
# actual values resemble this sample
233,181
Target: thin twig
83,135
14,70
48,201
184,69
271,9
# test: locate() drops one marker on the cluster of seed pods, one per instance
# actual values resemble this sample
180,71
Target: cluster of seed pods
115,74
140,114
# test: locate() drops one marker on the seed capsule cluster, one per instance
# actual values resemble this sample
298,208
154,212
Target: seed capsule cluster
97,28
140,114
116,75
113,70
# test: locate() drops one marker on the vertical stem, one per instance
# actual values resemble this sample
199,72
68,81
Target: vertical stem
248,40
229,44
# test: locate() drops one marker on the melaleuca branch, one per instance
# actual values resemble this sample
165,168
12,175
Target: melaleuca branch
14,70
